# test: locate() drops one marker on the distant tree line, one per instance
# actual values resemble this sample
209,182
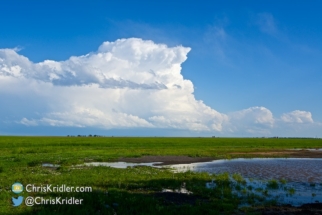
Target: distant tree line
95,135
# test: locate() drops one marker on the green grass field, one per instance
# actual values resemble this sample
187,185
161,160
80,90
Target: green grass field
124,191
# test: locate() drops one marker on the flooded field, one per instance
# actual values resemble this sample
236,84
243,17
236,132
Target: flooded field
290,169
294,181
153,188
303,170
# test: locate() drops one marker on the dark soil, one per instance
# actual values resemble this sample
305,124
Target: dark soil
285,153
167,160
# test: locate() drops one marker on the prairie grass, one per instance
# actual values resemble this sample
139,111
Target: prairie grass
131,190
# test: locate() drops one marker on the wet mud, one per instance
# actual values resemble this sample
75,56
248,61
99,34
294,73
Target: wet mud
302,153
166,160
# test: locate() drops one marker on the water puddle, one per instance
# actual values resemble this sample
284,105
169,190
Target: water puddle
50,165
121,165
294,181
304,149
293,193
290,169
181,190
314,149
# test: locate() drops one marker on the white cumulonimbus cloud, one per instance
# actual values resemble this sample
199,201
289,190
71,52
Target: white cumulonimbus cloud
254,120
129,83
297,116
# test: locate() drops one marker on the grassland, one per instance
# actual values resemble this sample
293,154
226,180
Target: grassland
132,190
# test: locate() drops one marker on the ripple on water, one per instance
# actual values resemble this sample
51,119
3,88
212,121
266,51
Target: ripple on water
291,169
304,176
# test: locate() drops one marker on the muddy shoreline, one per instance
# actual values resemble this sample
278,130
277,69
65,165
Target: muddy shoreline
285,153
166,160
169,160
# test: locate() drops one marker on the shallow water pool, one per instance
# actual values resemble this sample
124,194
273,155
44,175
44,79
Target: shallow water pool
298,180
291,169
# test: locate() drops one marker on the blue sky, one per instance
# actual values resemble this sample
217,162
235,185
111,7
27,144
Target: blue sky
256,65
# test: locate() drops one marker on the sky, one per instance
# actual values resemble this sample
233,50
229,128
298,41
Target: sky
161,68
